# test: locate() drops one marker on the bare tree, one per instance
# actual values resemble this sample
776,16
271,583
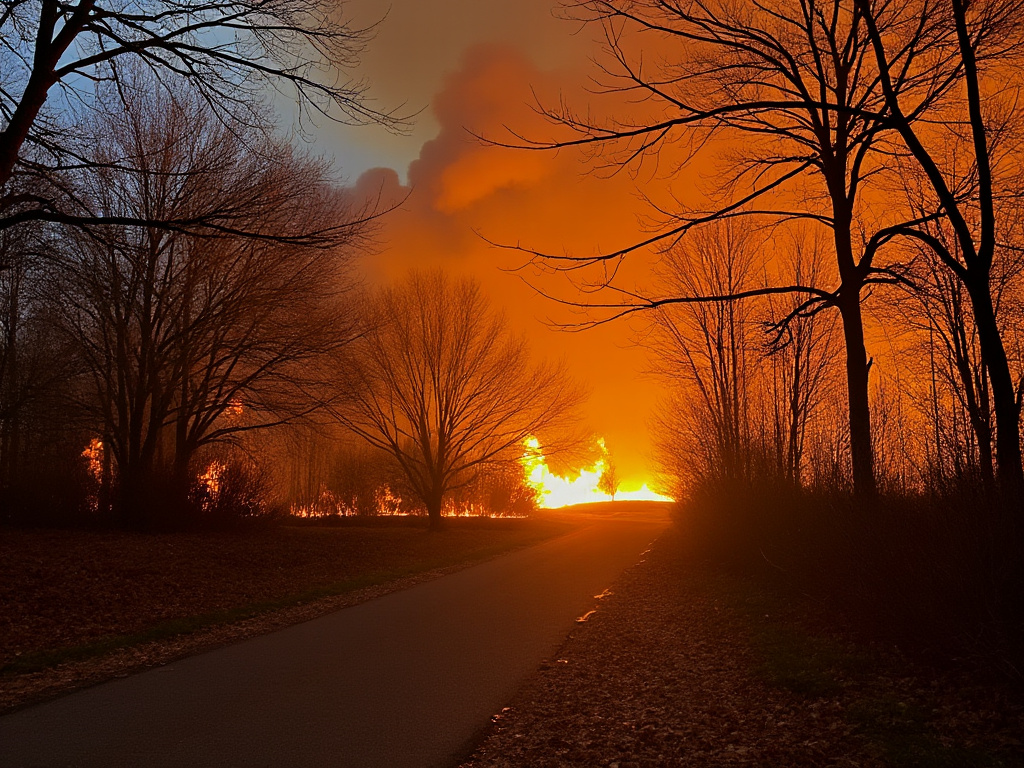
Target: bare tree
230,52
609,481
988,39
190,339
938,310
445,388
703,350
742,403
33,362
788,91
799,353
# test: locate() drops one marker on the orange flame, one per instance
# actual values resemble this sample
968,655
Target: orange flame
557,491
93,455
211,478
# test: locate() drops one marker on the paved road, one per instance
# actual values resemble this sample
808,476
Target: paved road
409,679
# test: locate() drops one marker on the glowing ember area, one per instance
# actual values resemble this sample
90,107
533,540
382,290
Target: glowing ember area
211,478
387,501
556,491
93,455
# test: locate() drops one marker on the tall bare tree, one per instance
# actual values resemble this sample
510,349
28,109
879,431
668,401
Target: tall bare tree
33,363
445,388
988,42
704,350
742,403
938,309
787,90
800,352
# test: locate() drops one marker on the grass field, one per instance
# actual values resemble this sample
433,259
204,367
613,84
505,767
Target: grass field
72,595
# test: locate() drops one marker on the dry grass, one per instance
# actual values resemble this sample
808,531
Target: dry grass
66,596
683,665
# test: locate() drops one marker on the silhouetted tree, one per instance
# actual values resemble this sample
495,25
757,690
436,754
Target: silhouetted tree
948,357
800,354
443,386
787,90
229,52
703,351
609,481
33,362
741,403
988,40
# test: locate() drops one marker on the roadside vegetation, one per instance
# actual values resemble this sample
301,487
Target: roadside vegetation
684,663
136,594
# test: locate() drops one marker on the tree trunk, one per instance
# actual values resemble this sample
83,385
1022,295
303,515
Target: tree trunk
434,512
132,507
861,450
105,499
852,276
975,391
1009,472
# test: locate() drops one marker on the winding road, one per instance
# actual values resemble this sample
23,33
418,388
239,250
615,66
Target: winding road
409,679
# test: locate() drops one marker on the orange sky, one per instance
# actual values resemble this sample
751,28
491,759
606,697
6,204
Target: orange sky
471,64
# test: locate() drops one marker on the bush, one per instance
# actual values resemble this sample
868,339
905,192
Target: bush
230,492
936,572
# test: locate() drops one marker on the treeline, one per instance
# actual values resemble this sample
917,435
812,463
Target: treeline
758,386
189,344
845,374
202,299
754,439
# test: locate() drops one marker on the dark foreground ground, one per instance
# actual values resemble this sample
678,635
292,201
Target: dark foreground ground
77,607
404,681
684,666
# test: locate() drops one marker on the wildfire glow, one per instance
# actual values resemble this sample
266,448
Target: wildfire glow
211,478
93,455
556,491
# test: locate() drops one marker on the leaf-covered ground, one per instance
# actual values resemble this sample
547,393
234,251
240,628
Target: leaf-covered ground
77,607
684,666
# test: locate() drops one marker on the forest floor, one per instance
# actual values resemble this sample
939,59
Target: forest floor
685,665
79,607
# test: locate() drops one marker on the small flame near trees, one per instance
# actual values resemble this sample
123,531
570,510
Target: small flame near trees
93,455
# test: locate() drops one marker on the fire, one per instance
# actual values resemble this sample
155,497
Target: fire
212,477
93,455
556,491
387,501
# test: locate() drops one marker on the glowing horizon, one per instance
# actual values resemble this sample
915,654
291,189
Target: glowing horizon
556,491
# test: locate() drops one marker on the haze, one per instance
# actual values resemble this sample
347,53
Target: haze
473,66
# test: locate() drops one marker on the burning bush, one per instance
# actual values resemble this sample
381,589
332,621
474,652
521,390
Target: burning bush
230,490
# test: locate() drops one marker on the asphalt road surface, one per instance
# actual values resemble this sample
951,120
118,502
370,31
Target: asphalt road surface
410,679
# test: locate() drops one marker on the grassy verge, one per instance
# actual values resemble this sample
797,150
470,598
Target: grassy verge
907,717
98,593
